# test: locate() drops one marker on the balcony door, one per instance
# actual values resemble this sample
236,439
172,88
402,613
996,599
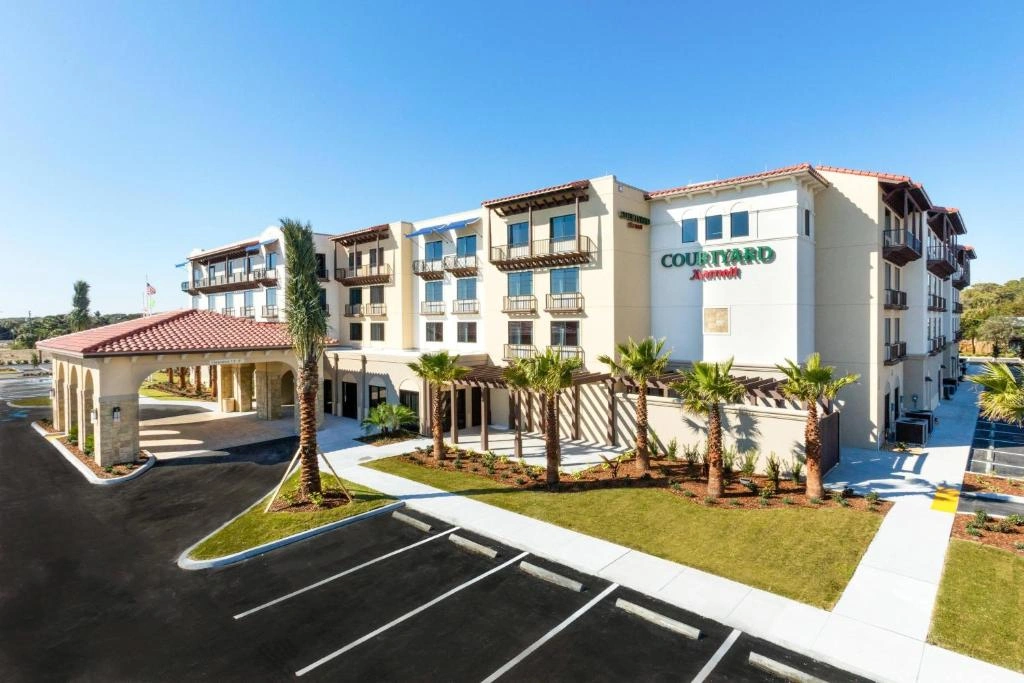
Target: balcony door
563,233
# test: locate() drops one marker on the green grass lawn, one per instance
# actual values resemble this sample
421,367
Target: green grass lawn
808,554
153,392
980,608
31,402
255,527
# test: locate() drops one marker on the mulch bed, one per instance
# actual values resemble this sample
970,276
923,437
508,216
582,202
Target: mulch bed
990,534
675,477
387,439
333,498
47,425
979,483
102,472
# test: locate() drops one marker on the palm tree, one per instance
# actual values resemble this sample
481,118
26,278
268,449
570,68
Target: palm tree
640,362
389,417
548,374
439,370
307,327
1002,393
518,382
811,383
704,388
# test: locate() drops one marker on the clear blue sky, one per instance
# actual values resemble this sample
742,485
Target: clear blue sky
132,132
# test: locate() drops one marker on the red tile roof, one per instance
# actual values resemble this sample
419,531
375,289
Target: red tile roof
174,332
893,177
574,185
774,173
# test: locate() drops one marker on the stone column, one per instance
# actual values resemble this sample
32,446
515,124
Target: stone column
268,390
85,426
243,386
117,440
225,385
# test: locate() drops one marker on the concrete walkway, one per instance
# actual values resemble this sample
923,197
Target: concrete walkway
885,647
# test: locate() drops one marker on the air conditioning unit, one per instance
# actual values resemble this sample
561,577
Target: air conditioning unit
925,415
912,431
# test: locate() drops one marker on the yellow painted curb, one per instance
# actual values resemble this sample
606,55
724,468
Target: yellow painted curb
946,500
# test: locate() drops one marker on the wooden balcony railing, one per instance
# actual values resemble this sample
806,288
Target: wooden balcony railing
565,302
544,253
521,305
364,275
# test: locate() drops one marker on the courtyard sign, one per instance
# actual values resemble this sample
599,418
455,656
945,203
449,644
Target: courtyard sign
731,259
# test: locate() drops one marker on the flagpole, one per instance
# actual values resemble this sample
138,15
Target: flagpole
145,297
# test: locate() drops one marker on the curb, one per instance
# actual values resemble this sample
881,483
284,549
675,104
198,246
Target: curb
89,475
996,497
187,563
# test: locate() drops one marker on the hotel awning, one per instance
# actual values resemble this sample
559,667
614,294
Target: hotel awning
438,229
252,249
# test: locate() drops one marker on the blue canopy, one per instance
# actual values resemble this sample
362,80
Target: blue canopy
181,265
437,229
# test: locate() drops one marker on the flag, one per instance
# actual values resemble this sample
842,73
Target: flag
150,289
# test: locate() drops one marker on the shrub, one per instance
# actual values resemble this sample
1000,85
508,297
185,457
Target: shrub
1005,526
520,481
692,455
872,498
1015,519
672,451
787,501
836,496
688,493
973,531
489,461
73,434
316,498
815,501
675,486
728,462
109,469
796,468
749,484
748,463
980,517
710,500
773,468
1019,545
768,490
90,445
734,502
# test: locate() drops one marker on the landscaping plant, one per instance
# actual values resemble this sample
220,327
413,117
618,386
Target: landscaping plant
1002,393
549,374
440,370
517,382
389,418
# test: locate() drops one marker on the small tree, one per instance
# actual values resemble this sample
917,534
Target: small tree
517,382
388,418
640,362
811,383
79,316
704,388
439,370
1002,393
549,374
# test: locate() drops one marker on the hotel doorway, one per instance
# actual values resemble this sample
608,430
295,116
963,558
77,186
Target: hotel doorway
349,399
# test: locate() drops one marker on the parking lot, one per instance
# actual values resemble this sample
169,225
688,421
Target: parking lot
998,448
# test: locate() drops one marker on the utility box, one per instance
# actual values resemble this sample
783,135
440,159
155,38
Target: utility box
227,405
913,431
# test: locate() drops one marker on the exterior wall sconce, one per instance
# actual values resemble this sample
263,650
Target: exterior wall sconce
116,414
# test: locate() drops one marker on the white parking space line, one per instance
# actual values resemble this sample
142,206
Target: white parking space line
717,657
549,635
408,615
322,582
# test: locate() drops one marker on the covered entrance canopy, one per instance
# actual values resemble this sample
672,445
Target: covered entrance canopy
97,373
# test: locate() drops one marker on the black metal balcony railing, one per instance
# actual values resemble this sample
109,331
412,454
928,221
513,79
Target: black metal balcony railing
958,335
352,310
895,352
962,277
564,302
429,270
941,261
519,304
364,275
461,265
270,311
958,307
326,307
517,351
566,352
227,311
936,344
541,253
466,306
248,312
895,299
432,308
936,302
900,246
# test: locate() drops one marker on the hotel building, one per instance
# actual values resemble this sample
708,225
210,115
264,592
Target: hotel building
862,267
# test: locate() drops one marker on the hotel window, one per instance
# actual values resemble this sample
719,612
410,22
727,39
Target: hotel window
229,300
377,294
432,291
197,275
520,284
565,280
888,331
563,227
376,331
410,399
435,332
211,302
250,263
518,234
807,222
355,259
739,224
689,230
271,296
195,302
323,300
520,332
378,395
465,288
887,225
376,257
355,331
247,299
565,333
713,228
321,266
211,270
271,260
467,333
432,251
355,296
466,246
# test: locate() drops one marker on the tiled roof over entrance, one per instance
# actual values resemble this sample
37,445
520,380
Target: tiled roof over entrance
173,332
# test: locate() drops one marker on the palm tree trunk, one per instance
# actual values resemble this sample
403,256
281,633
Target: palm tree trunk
310,475
812,449
551,439
213,380
435,424
643,453
170,376
198,379
182,378
714,453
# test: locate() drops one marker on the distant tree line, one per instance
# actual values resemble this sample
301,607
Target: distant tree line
994,313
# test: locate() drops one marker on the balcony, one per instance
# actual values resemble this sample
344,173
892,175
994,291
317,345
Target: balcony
429,270
326,307
247,312
232,281
270,311
958,336
461,266
565,302
521,305
352,310
367,310
227,311
895,299
517,351
466,306
565,352
936,302
941,261
364,275
958,307
962,277
895,352
545,253
936,345
431,308
900,246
